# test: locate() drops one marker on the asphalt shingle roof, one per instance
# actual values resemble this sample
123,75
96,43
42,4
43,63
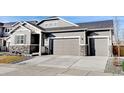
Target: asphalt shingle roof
12,23
97,24
1,24
87,25
63,28
36,25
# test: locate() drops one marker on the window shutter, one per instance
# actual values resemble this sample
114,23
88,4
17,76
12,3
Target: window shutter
15,39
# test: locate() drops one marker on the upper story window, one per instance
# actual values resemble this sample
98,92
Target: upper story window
53,24
46,25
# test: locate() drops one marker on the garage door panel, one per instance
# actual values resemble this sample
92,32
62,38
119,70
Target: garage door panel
66,46
99,46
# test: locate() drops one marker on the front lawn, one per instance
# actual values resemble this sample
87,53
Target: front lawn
11,59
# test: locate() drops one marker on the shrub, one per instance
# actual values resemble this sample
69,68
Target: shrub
123,65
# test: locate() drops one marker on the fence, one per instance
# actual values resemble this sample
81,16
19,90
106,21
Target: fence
115,50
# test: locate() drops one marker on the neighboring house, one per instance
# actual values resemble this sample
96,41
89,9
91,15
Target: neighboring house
5,29
57,36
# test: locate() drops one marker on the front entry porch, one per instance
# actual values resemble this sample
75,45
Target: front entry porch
38,44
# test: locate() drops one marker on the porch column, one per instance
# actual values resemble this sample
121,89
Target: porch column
2,42
85,45
85,37
40,44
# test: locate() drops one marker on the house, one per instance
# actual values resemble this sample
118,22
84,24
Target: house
5,29
4,32
57,36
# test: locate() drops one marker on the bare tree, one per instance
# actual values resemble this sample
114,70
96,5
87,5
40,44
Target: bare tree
116,31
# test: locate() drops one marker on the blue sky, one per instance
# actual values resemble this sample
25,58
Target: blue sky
75,19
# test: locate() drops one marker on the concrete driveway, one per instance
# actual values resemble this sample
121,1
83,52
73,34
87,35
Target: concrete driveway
73,62
57,65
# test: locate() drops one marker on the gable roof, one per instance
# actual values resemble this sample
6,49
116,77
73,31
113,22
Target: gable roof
106,24
1,24
56,18
15,23
47,19
18,25
22,24
36,25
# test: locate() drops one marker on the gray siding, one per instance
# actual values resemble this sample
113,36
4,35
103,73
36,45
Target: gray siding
66,34
70,45
20,31
55,23
100,33
22,48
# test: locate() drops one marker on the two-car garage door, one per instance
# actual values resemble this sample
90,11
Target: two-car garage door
98,46
66,46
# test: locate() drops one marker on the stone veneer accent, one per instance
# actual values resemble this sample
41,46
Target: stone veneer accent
20,48
83,50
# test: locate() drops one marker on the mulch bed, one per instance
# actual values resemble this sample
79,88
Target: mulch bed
112,67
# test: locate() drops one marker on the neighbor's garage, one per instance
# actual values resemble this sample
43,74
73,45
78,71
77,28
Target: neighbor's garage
66,46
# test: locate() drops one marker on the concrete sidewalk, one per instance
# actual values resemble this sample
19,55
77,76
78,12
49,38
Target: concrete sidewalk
21,70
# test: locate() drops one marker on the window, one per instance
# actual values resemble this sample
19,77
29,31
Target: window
20,39
6,30
46,25
53,24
